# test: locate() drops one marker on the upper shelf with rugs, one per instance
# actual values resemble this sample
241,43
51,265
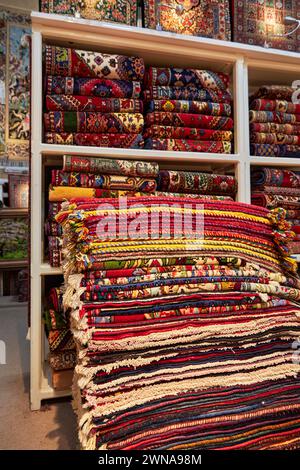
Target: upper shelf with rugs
86,97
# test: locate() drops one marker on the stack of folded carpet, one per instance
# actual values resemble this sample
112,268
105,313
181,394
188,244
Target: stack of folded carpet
208,185
274,122
188,110
93,98
62,355
185,341
53,232
89,177
273,188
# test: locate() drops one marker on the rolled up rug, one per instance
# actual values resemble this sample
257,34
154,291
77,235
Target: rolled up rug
185,145
190,133
95,140
93,122
274,117
275,128
185,77
101,87
195,182
64,193
275,105
199,121
275,150
261,138
110,166
67,62
112,182
192,107
193,93
275,177
92,103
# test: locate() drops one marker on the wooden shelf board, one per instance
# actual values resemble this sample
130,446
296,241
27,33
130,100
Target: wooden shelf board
13,212
47,270
135,154
275,161
13,264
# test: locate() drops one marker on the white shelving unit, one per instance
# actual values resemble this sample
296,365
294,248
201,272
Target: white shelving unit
249,66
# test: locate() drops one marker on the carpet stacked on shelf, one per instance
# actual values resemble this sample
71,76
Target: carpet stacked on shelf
93,98
188,110
274,188
274,122
184,340
62,355
90,177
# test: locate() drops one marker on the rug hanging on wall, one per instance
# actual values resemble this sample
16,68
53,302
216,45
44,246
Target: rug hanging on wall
261,22
193,17
119,11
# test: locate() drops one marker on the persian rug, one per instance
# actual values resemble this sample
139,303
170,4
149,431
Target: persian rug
199,121
53,209
275,177
52,228
120,11
54,243
93,122
261,138
274,92
192,17
60,340
274,128
104,88
190,93
63,193
54,320
285,191
275,150
274,116
62,360
92,103
95,140
275,105
91,180
109,166
55,257
193,107
185,77
185,145
194,182
260,21
190,133
275,200
67,62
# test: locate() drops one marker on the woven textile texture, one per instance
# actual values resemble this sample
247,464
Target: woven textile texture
193,182
262,21
92,103
101,87
93,122
192,17
109,167
133,141
91,180
189,133
156,76
193,107
67,62
188,145
120,11
190,93
199,121
220,312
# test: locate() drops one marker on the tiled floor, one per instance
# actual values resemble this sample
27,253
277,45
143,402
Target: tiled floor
54,427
